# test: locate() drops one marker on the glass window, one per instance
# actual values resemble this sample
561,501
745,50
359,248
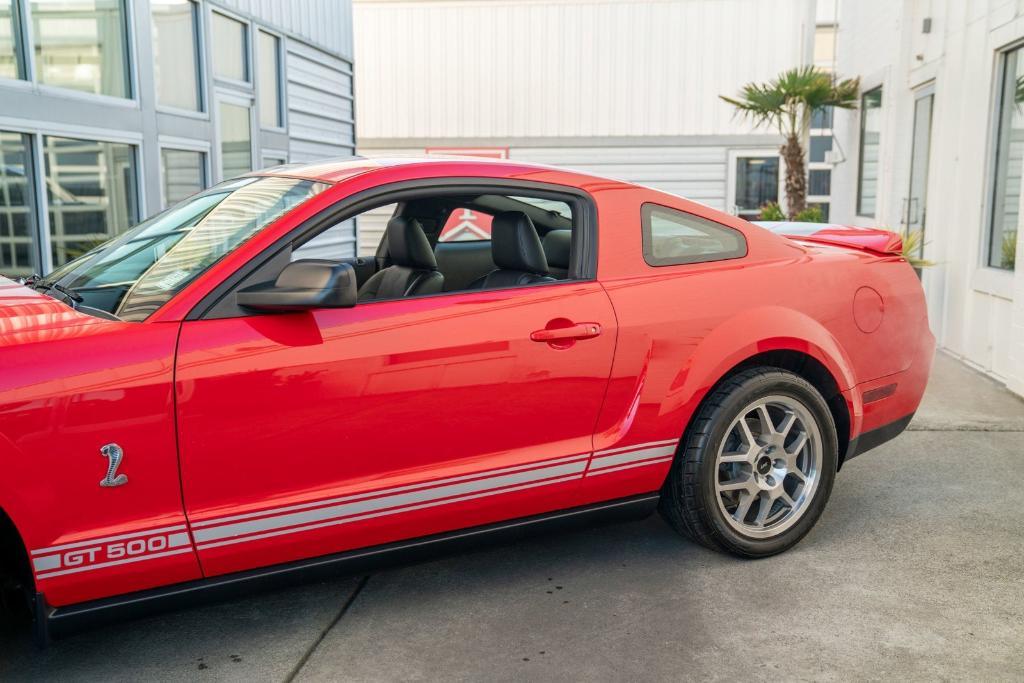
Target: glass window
230,48
175,58
235,140
18,254
824,47
269,86
672,237
819,181
1005,218
80,44
822,118
757,183
870,130
184,174
91,194
823,207
11,59
820,144
133,275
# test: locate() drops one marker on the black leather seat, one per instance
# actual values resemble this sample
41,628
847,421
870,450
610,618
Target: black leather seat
517,251
414,272
558,250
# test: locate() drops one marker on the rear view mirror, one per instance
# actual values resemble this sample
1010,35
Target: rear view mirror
303,285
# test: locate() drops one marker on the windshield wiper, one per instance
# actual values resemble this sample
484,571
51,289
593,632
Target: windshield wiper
38,284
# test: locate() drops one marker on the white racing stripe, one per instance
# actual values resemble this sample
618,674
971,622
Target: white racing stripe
391,490
114,563
106,539
290,519
401,500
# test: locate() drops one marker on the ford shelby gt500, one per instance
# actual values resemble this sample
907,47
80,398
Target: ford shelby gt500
225,395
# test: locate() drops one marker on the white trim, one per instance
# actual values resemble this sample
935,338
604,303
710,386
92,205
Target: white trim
114,563
735,155
70,130
100,540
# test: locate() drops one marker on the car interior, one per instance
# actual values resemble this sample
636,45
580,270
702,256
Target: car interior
439,244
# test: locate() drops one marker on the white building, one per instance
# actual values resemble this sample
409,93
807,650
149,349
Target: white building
627,89
112,109
939,146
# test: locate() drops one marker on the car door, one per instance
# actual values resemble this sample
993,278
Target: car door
308,433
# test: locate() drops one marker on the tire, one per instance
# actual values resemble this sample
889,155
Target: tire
747,488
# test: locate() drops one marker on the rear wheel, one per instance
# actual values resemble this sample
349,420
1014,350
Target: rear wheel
756,466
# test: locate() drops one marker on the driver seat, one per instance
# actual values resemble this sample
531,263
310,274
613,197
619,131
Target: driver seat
414,270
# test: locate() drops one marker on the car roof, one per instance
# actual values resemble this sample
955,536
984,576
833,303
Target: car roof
343,168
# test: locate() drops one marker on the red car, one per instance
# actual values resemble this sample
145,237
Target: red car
220,397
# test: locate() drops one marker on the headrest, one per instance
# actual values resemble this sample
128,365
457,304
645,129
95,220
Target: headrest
408,245
515,244
558,248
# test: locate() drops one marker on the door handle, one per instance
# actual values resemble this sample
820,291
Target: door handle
567,333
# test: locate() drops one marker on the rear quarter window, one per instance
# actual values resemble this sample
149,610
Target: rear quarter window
673,237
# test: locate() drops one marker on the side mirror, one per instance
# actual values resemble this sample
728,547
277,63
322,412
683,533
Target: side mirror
302,285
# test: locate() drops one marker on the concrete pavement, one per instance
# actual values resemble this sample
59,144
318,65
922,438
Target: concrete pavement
914,571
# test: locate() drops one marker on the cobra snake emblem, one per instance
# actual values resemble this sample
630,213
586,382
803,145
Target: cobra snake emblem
113,453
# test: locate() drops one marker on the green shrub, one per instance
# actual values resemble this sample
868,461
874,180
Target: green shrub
812,214
772,212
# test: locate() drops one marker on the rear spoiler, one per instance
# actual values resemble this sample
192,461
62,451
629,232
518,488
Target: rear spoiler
874,240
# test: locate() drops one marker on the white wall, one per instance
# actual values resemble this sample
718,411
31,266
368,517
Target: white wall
976,312
542,68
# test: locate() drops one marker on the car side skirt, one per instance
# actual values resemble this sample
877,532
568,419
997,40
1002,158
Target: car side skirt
876,437
55,622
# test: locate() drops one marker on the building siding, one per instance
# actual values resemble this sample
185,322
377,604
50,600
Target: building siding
509,68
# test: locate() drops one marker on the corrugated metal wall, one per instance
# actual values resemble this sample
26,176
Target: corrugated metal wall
517,68
325,23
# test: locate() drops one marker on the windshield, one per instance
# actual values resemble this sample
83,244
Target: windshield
134,274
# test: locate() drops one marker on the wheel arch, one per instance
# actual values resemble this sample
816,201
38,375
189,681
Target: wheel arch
15,568
776,336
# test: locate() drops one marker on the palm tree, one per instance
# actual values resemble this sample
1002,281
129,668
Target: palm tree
788,102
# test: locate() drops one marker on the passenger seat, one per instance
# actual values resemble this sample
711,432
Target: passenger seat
558,250
414,272
517,251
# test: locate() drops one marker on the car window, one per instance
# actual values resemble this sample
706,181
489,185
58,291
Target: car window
466,225
131,276
672,237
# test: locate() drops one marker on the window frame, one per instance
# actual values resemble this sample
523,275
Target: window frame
203,113
732,176
584,265
999,276
247,26
183,145
646,211
282,83
130,57
858,200
19,37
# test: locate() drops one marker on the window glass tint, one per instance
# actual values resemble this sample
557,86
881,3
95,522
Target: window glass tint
1009,157
819,181
91,193
135,274
235,140
184,173
230,52
820,144
757,183
80,44
174,46
822,118
17,223
870,132
10,47
269,86
673,237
